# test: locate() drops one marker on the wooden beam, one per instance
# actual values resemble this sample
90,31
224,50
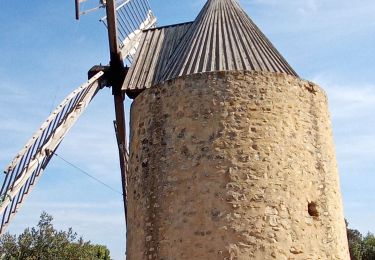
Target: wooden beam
120,129
112,31
77,3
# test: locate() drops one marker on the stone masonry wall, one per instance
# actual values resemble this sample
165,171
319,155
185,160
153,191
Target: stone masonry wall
233,165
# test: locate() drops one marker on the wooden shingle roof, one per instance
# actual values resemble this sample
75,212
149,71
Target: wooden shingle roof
222,38
154,51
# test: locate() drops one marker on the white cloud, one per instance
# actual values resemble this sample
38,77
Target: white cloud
310,6
318,17
350,102
352,109
295,5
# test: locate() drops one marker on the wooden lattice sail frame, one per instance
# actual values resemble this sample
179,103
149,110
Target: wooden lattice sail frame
124,20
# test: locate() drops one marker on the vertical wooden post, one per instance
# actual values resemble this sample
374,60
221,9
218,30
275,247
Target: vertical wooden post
120,128
112,34
116,78
77,2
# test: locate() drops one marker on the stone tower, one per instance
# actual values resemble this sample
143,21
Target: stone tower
231,153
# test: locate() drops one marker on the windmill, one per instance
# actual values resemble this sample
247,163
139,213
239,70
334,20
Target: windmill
125,21
231,152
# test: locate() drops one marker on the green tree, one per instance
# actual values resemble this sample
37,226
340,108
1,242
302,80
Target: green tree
355,243
44,242
361,248
369,247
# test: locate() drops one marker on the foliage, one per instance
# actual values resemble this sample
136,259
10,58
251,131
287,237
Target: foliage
361,248
45,243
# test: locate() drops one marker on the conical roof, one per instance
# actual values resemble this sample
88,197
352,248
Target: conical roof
223,37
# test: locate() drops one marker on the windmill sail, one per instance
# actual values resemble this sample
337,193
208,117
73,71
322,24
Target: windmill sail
133,16
24,171
125,25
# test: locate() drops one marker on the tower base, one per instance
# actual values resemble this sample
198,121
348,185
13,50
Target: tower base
233,165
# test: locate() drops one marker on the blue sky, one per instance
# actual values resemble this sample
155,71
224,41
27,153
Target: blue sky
45,54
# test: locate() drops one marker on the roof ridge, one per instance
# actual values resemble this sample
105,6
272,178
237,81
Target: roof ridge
167,26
